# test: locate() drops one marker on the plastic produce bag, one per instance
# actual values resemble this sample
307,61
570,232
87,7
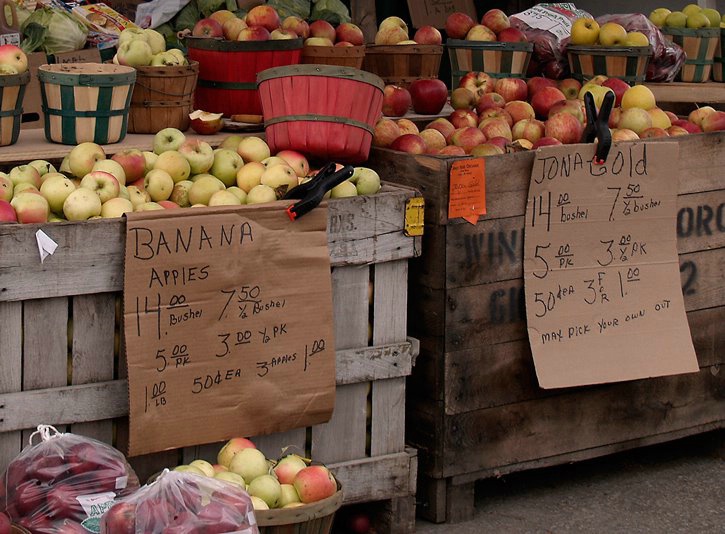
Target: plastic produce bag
548,27
64,483
667,58
182,503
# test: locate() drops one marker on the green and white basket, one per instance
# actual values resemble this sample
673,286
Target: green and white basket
700,46
86,102
12,92
497,59
628,63
718,62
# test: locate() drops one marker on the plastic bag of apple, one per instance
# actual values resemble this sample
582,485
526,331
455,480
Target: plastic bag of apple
64,483
182,503
493,117
179,173
286,483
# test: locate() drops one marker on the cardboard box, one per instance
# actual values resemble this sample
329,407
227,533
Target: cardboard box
435,12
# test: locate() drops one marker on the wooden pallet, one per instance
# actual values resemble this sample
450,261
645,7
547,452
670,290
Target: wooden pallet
63,364
474,406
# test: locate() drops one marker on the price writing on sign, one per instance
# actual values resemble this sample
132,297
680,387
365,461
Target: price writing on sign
602,284
222,313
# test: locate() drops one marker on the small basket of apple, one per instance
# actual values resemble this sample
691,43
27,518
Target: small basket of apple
609,50
493,46
400,60
14,76
343,46
289,495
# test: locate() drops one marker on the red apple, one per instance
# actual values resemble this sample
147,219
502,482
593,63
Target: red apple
570,87
496,127
444,126
411,143
4,524
573,107
461,118
452,150
7,212
501,142
133,162
530,129
28,496
492,113
544,99
462,98
691,127
396,101
623,134
264,16
297,25
490,100
614,117
496,20
677,130
407,126
564,127
512,35
205,123
208,28
62,502
671,116
539,82
618,86
322,28
120,519
546,141
434,140
428,35
714,122
511,89
232,27
653,132
254,33
458,24
386,131
519,110
428,96
351,33
467,138
479,83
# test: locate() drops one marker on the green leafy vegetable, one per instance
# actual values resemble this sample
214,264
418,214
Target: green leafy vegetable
296,8
53,30
207,7
187,17
333,11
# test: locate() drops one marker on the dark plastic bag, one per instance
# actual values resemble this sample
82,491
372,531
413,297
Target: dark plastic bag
64,483
183,503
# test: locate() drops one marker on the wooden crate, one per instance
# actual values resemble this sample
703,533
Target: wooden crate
62,364
474,406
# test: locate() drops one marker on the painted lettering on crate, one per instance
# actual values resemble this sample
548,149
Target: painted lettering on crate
701,220
494,247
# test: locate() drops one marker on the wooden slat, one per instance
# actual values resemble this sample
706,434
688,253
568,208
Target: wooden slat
700,93
362,13
11,336
92,361
375,478
363,230
588,417
45,347
291,442
390,305
343,437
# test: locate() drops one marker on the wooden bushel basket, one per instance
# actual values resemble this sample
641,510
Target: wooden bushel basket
162,97
86,102
313,518
497,59
342,56
403,64
12,91
327,112
700,46
228,71
628,63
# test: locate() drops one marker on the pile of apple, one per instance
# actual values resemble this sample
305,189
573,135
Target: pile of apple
263,23
286,483
179,173
494,116
394,31
586,31
146,47
12,60
494,26
426,96
691,16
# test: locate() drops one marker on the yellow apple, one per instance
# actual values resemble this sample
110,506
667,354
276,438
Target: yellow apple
691,9
584,31
697,20
658,16
612,34
638,96
636,39
676,19
597,91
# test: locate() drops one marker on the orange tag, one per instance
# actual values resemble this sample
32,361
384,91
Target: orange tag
467,195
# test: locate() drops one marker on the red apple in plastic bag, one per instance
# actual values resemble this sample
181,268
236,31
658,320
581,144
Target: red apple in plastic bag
63,503
120,519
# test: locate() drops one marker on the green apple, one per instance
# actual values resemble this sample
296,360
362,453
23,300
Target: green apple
676,19
180,193
241,194
168,139
713,15
159,184
367,181
175,164
261,194
224,198
56,190
156,41
111,167
226,165
116,207
81,205
697,20
691,9
202,189
267,488
345,189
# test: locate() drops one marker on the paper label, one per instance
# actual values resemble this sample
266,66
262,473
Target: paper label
467,195
95,506
602,280
554,18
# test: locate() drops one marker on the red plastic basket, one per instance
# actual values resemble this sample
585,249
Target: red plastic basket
228,71
324,111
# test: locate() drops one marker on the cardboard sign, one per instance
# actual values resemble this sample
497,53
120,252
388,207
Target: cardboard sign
602,279
87,55
228,324
467,193
435,12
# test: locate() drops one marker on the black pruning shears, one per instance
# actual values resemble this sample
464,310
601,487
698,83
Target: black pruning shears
312,191
598,125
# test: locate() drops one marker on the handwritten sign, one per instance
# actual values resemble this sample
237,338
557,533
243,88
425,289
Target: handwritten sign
435,12
228,325
467,195
602,279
